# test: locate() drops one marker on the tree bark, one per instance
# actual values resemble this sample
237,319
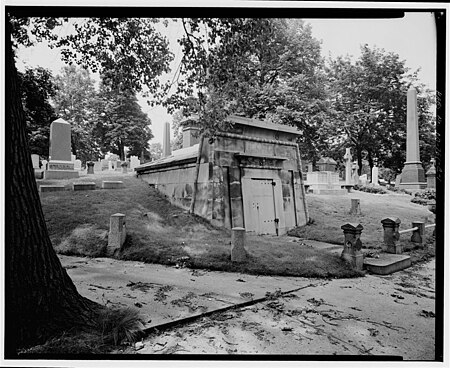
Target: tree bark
40,298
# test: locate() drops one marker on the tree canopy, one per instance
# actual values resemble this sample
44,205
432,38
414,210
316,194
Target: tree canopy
37,89
369,107
120,122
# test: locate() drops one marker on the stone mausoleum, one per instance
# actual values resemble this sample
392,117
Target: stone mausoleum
249,177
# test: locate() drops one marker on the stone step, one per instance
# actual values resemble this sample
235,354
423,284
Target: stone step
84,186
112,184
387,263
51,188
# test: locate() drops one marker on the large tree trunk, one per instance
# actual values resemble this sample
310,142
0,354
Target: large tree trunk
40,298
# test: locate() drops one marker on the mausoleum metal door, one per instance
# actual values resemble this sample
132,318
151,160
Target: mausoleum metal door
260,205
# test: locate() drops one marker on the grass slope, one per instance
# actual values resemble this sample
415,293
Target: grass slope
158,232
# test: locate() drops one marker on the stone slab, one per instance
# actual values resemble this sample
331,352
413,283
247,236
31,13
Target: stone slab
387,263
51,188
112,184
61,174
84,186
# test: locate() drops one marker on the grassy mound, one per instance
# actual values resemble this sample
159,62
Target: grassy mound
158,232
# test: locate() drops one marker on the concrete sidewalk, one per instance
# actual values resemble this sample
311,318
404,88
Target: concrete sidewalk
166,294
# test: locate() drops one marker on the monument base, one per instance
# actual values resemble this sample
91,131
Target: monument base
413,176
60,165
61,174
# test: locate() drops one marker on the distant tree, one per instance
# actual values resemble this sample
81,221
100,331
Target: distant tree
37,88
369,108
156,151
120,122
73,102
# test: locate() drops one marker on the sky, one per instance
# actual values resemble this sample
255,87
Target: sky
413,38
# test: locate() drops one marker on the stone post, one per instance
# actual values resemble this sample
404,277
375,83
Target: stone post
238,252
352,245
117,233
356,208
391,235
90,167
417,235
124,167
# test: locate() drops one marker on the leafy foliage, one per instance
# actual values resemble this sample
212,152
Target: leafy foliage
37,89
260,68
129,53
73,102
369,108
367,189
120,121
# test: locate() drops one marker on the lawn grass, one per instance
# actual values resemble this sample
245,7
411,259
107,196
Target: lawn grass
158,232
329,213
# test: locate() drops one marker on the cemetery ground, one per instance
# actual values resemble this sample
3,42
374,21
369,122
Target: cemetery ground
294,295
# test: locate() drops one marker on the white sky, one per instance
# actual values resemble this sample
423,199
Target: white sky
412,37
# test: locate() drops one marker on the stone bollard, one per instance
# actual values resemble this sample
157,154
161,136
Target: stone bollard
117,233
90,167
417,235
391,235
356,207
238,252
124,167
352,245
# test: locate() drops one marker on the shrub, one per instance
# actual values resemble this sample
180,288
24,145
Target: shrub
424,196
367,189
399,190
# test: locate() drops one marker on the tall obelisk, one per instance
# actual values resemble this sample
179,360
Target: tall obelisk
166,140
413,175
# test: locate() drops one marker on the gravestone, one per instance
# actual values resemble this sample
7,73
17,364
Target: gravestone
375,174
98,166
398,180
413,175
431,176
105,164
124,166
77,164
355,176
348,166
327,164
35,160
44,164
363,179
60,165
90,167
134,162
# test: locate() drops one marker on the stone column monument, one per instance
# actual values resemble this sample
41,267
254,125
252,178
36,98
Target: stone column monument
413,175
348,167
60,165
166,140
